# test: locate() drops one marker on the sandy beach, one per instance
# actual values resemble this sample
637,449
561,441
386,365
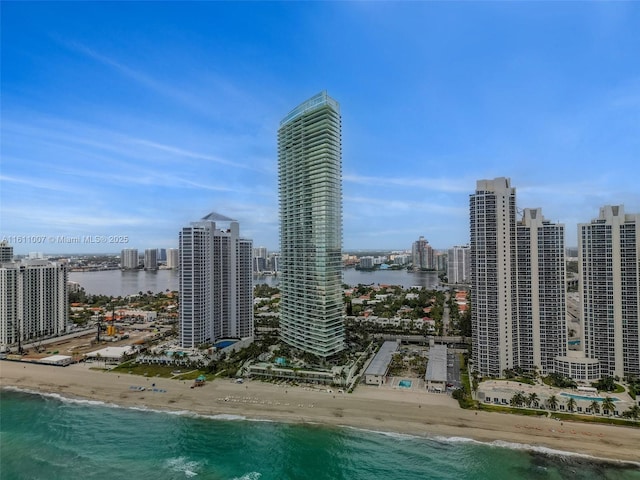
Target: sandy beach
373,408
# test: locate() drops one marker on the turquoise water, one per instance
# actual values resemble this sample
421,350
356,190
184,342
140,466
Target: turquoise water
405,383
49,437
590,399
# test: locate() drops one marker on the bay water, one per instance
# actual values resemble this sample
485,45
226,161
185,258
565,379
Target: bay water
129,282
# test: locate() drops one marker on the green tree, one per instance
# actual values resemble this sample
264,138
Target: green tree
595,406
606,384
571,404
552,402
608,405
517,400
633,412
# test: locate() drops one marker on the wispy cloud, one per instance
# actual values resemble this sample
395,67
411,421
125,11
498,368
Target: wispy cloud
140,77
431,184
36,183
381,206
77,218
187,153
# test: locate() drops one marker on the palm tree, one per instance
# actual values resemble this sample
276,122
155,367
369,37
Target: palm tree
595,406
517,400
552,401
571,404
608,405
632,412
532,399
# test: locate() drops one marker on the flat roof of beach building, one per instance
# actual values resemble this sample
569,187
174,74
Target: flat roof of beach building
437,365
380,363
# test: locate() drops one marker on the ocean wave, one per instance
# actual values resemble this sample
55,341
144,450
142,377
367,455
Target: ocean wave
249,476
139,408
62,398
184,465
532,448
496,443
395,435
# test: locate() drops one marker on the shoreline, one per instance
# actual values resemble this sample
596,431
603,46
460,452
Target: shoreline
376,409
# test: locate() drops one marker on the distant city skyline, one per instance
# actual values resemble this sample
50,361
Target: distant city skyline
121,122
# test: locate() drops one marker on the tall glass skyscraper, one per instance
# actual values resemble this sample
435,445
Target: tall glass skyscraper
310,189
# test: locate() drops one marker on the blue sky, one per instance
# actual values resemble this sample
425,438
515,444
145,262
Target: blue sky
134,119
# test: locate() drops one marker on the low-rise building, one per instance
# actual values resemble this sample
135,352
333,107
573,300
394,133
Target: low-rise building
376,372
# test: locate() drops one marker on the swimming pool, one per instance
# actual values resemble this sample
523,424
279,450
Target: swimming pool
405,383
588,399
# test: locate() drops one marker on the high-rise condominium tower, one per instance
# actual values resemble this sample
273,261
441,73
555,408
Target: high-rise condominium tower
33,300
310,189
609,256
518,283
541,285
493,273
173,258
423,255
129,258
151,259
458,264
216,284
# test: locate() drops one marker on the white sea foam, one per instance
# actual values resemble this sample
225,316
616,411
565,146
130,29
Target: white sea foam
224,416
182,464
395,435
531,448
249,476
495,443
139,408
62,398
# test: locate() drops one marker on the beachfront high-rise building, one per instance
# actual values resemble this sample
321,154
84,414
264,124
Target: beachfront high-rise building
608,264
423,255
33,301
310,191
458,264
493,272
129,259
173,258
151,259
216,283
517,284
541,298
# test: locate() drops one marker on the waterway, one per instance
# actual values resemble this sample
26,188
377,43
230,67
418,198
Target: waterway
129,282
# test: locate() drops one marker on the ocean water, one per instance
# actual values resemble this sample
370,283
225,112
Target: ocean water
50,437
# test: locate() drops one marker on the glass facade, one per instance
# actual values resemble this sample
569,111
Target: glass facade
310,191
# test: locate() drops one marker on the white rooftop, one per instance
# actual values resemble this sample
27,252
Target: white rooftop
111,352
437,366
381,361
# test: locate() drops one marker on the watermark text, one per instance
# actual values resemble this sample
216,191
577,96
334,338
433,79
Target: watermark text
64,239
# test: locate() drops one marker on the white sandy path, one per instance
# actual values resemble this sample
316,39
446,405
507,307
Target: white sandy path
380,409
